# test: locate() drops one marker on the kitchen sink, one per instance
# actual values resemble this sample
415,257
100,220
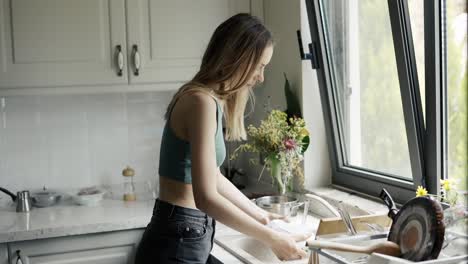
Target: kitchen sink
322,220
251,251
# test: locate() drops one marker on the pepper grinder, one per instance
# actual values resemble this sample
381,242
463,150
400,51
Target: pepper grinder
128,185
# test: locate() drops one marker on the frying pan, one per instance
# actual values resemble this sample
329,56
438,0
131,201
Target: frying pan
418,227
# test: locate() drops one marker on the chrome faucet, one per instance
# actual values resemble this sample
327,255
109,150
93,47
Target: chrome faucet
338,211
346,218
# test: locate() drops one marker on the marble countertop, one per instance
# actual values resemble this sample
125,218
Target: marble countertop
68,219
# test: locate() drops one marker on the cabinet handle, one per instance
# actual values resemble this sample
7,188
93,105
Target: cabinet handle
136,60
120,59
18,255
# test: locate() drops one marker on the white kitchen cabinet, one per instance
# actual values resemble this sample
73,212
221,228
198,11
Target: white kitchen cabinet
171,36
50,43
101,248
3,254
76,43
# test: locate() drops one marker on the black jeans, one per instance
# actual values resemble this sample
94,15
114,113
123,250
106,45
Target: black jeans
177,235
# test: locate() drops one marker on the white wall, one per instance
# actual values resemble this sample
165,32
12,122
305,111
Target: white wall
317,166
66,141
283,18
72,141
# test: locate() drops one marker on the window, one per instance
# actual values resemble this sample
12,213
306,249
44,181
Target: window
386,125
364,74
456,42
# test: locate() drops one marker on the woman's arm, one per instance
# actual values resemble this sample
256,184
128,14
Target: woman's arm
230,192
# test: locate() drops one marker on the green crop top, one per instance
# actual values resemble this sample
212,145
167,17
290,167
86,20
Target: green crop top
175,161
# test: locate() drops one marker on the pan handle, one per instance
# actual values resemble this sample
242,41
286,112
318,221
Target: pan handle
13,197
387,199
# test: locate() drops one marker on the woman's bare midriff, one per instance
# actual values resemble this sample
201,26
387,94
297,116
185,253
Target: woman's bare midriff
177,193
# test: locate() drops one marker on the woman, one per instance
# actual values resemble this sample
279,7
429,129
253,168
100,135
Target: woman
193,192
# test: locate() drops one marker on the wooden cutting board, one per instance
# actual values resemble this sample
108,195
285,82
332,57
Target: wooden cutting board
336,225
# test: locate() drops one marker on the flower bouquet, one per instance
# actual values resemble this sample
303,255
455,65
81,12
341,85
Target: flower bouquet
281,142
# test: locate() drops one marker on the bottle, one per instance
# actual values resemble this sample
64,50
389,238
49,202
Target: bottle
128,185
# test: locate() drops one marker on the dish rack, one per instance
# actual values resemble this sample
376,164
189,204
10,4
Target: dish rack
353,258
372,229
345,258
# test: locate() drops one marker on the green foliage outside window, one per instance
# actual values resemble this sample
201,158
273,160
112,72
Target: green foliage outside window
378,108
457,94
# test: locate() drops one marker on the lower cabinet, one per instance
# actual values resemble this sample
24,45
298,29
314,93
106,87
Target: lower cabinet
116,247
3,254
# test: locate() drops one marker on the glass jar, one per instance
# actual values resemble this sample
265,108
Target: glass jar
129,185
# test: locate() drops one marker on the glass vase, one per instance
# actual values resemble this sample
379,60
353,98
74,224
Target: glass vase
276,174
455,217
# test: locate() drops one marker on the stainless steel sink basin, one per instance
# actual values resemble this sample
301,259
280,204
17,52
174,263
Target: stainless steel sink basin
251,251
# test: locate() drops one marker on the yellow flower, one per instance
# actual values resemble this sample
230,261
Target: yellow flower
304,132
445,184
421,191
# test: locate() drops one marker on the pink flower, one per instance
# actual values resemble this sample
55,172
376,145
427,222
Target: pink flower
289,144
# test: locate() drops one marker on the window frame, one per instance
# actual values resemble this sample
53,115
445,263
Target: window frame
425,142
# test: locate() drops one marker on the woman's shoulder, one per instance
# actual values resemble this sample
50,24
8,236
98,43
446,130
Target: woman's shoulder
195,104
203,104
198,112
199,97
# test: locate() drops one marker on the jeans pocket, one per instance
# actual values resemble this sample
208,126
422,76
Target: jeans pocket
192,231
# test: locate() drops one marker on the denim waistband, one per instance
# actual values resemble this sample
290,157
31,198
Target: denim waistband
166,209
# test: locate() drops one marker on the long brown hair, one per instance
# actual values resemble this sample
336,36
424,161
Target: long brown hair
235,48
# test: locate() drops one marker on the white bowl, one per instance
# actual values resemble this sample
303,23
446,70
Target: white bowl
88,199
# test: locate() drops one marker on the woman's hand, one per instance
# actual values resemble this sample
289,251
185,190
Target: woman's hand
285,248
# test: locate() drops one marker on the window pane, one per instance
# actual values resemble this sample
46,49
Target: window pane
456,16
365,81
416,11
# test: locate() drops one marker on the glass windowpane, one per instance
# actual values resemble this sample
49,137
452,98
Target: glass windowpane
365,80
416,11
456,21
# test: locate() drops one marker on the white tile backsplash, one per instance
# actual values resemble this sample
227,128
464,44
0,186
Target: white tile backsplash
73,141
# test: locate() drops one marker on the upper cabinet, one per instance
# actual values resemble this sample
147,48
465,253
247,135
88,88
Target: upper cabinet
170,36
59,43
51,43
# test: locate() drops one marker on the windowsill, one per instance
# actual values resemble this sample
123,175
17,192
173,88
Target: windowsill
351,198
330,193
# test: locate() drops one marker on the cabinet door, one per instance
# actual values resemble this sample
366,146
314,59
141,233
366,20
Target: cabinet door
104,248
171,36
3,254
47,43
